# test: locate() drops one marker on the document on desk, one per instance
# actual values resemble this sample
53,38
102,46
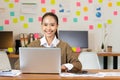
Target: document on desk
80,74
110,73
10,73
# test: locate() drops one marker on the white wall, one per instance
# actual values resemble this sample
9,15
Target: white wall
70,8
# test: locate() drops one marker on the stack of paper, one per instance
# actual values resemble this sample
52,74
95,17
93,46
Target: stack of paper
10,73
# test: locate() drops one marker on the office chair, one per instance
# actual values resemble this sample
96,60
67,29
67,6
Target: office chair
89,60
4,62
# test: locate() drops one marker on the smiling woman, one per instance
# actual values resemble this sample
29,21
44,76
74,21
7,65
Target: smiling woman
69,60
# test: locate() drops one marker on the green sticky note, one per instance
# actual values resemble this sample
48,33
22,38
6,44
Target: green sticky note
15,20
52,2
30,19
109,21
12,14
6,0
22,18
75,19
11,5
118,3
1,28
25,25
99,25
78,13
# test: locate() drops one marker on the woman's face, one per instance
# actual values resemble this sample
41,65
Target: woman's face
49,26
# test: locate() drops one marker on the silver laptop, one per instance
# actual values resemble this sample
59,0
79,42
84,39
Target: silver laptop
40,60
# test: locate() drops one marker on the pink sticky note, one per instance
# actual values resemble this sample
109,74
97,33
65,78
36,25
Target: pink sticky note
36,35
42,1
77,4
78,49
115,13
53,11
85,18
64,19
90,1
6,22
91,27
40,19
16,1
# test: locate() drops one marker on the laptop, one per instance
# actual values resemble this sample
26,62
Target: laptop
40,60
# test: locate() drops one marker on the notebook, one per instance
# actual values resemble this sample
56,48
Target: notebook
40,60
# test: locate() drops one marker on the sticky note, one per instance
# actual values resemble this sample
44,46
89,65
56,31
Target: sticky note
43,10
75,19
42,1
78,4
15,20
64,19
78,13
40,19
118,3
25,25
115,13
85,9
30,19
74,49
36,35
53,11
100,1
99,25
110,4
90,1
11,5
16,1
6,0
1,28
52,2
91,27
12,14
6,22
10,49
109,21
22,18
85,18
78,49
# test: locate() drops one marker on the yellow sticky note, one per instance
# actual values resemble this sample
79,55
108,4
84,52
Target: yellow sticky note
118,3
52,2
73,49
6,0
43,10
85,9
15,20
78,13
100,1
25,25
22,18
10,49
11,5
109,21
99,25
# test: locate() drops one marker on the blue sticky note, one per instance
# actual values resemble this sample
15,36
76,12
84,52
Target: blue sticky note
62,10
30,19
12,14
1,28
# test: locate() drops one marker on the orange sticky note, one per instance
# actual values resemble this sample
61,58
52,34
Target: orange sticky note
43,10
85,9
110,4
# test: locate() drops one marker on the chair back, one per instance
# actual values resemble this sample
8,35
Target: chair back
89,60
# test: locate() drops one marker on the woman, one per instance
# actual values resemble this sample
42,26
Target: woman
69,60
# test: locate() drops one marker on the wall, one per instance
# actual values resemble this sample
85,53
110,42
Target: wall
24,16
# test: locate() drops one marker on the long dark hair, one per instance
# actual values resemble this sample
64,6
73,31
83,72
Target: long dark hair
54,16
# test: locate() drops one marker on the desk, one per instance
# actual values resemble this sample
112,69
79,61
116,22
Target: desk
57,77
105,57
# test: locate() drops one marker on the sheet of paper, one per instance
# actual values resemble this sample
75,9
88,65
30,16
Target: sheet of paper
10,73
